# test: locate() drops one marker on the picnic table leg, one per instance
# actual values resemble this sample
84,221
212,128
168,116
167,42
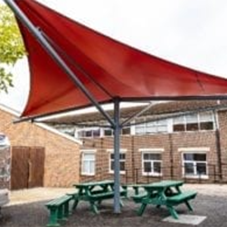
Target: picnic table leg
141,209
60,213
173,212
75,204
188,205
66,210
53,219
121,203
94,208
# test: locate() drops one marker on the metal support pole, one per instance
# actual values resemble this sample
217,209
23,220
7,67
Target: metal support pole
55,56
117,207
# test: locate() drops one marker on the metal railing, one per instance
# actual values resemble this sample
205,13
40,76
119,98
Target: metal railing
177,173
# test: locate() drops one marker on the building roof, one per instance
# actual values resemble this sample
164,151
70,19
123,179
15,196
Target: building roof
157,110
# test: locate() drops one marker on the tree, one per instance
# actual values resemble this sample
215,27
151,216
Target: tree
11,47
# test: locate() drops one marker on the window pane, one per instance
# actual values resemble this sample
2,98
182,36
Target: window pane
207,126
155,156
140,129
194,157
92,167
206,116
188,156
200,157
108,132
112,155
151,156
178,120
96,133
112,165
192,118
85,166
192,127
188,168
88,163
122,166
178,128
157,167
162,128
87,156
88,133
126,131
122,156
146,156
147,167
201,168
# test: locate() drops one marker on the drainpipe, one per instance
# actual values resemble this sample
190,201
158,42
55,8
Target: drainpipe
218,146
171,155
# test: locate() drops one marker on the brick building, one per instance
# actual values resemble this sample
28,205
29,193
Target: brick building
178,140
38,149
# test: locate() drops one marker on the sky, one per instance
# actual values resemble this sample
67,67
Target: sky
190,33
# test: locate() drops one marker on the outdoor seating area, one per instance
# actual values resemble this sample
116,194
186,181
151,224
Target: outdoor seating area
162,193
28,208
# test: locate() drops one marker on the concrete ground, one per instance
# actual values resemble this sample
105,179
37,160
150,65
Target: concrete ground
27,208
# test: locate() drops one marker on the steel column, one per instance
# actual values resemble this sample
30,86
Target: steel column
117,207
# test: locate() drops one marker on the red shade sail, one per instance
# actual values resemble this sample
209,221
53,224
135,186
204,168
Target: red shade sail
106,67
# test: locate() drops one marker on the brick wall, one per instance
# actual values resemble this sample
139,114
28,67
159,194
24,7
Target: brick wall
171,144
62,156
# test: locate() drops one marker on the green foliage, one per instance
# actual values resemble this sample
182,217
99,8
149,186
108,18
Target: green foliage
11,46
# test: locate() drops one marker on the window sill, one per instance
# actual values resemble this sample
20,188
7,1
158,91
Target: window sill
196,177
152,174
121,172
88,174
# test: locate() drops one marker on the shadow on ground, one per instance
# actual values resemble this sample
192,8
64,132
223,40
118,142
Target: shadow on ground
36,215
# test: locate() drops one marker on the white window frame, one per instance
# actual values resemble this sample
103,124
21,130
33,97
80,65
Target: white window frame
91,129
90,152
151,151
202,150
185,120
111,151
152,127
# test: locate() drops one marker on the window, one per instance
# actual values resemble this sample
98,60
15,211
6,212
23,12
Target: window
124,131
108,132
122,162
206,121
88,132
88,163
194,164
152,163
151,127
194,122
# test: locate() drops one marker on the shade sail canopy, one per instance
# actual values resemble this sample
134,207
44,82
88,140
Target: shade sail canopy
106,67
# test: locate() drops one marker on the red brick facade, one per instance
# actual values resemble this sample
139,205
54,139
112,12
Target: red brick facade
172,146
62,160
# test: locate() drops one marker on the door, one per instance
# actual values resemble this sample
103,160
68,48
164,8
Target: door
27,167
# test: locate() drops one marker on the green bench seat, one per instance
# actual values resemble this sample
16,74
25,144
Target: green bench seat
98,196
175,200
59,209
138,198
180,198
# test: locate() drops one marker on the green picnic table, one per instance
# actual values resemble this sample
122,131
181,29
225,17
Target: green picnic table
167,193
95,192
